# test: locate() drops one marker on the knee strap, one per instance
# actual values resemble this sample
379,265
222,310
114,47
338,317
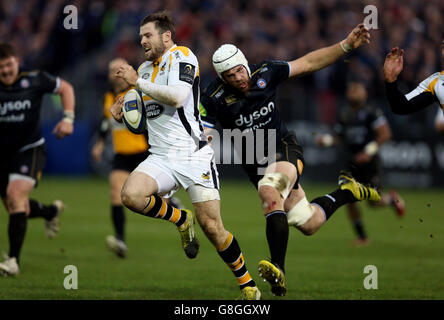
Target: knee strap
277,180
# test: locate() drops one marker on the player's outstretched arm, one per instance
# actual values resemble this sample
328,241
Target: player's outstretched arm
322,58
399,103
173,95
66,126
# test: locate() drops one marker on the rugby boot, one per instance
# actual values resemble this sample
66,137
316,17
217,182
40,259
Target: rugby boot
190,244
360,192
274,275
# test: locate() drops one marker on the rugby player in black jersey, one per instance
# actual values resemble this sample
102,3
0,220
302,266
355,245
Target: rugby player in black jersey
363,129
23,147
243,97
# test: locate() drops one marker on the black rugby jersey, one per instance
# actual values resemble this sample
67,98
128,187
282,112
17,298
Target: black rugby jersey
20,106
255,109
357,128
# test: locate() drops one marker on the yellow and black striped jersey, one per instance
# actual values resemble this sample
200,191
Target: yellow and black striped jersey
124,142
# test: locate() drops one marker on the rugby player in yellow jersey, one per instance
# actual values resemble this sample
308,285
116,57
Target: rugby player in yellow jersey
179,152
425,94
129,150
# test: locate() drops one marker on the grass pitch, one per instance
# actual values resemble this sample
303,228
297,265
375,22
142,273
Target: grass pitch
408,252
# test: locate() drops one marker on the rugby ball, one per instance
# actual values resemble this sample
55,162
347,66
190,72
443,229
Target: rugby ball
134,115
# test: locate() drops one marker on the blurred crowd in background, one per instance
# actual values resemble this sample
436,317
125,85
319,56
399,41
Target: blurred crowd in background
263,29
282,30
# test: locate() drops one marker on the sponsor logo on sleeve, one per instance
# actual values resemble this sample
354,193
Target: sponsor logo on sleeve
186,72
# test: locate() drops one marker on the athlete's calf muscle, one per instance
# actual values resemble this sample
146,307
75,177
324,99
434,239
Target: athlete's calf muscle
208,216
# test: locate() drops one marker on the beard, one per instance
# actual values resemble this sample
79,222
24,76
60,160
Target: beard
156,52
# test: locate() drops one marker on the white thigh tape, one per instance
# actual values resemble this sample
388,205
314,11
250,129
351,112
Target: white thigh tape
300,213
200,193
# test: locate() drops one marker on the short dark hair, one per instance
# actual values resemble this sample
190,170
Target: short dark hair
6,51
162,21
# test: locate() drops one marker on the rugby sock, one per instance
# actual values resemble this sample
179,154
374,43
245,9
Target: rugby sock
158,208
118,219
277,236
16,233
359,228
232,255
331,202
38,209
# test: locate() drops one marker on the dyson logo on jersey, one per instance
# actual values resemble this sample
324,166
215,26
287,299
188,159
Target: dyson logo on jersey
14,106
153,110
249,119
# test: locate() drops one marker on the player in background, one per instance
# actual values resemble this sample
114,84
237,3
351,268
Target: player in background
23,147
363,129
179,153
129,150
428,92
243,97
